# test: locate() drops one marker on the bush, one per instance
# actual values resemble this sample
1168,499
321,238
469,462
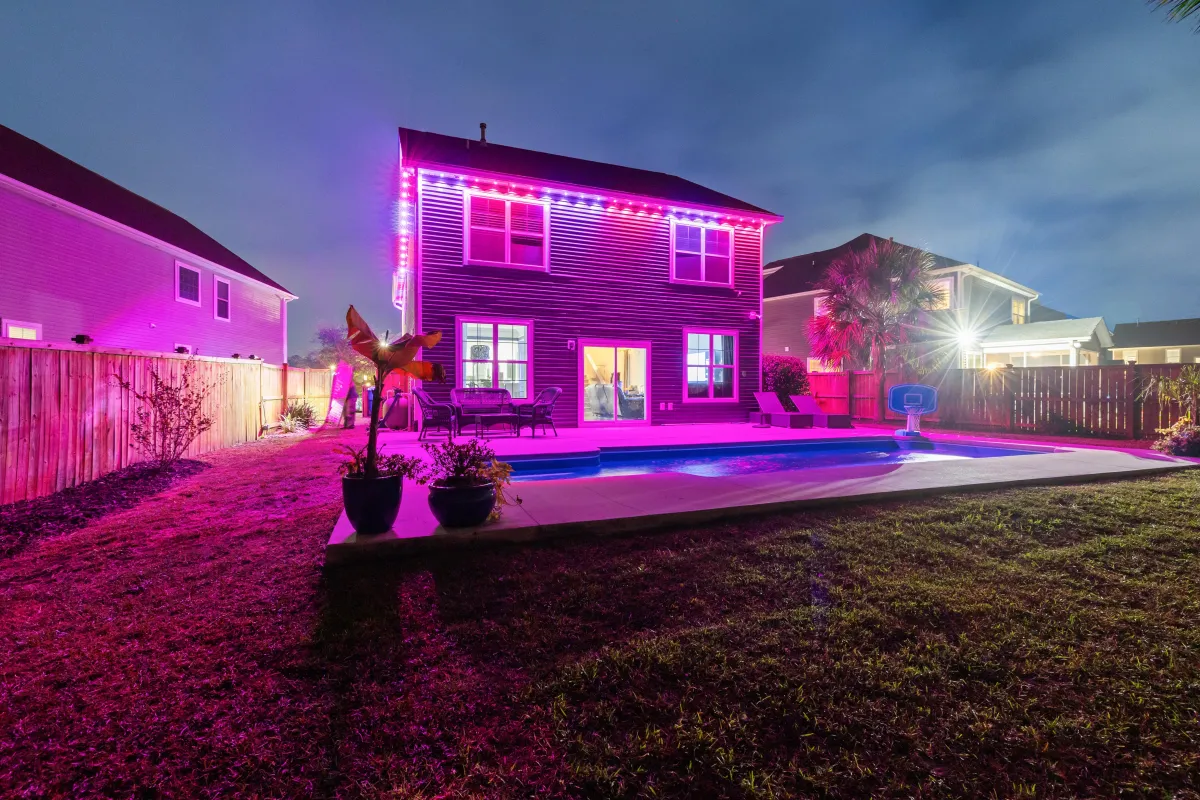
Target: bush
298,416
469,464
1181,439
785,375
170,415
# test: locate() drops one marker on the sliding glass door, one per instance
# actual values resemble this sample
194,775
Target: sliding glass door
615,379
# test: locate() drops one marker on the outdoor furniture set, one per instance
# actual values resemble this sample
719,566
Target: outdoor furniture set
487,409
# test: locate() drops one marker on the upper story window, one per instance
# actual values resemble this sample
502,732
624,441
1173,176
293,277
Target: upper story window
221,298
15,329
701,254
1020,310
494,353
711,365
945,289
187,284
820,305
506,232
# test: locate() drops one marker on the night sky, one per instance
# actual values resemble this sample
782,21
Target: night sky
1052,141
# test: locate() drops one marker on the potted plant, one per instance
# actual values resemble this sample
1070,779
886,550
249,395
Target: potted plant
371,486
466,483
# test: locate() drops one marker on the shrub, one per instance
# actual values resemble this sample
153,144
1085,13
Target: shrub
385,466
785,375
1181,439
298,416
468,465
170,415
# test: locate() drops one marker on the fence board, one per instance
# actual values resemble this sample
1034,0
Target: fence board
65,420
1101,401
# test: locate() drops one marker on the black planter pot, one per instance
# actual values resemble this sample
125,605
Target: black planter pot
462,506
372,503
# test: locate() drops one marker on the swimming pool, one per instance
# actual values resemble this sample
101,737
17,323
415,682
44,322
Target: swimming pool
743,459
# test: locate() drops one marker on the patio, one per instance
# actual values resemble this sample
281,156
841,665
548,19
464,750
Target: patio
603,505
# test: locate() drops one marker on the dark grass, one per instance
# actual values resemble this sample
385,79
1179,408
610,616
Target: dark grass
43,517
1038,642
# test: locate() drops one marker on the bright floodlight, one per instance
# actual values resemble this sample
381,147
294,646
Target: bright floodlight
966,338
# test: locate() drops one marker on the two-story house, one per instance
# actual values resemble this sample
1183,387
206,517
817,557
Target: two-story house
637,293
87,260
982,318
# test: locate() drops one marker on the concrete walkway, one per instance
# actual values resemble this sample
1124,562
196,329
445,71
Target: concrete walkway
599,505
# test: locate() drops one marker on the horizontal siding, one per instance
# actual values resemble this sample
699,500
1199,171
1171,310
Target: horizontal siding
72,276
609,278
785,326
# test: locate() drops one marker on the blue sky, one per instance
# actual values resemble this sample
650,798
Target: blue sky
1054,142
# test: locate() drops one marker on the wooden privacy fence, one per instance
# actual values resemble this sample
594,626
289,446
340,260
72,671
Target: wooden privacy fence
65,420
1090,401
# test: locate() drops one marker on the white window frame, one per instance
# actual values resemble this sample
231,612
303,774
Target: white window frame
675,223
1178,353
179,265
469,259
217,283
710,367
495,322
36,327
816,365
1024,304
820,303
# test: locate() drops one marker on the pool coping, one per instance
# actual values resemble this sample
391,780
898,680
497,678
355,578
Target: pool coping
622,504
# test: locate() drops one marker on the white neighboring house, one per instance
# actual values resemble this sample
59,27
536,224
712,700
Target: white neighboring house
1056,343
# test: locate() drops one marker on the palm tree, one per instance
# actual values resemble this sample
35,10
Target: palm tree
872,300
1179,9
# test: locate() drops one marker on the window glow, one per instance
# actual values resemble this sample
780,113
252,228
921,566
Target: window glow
495,354
710,365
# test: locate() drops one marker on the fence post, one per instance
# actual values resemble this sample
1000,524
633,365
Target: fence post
1134,387
1010,394
850,392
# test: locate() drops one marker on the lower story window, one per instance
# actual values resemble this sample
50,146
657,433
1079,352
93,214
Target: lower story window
495,355
711,370
15,329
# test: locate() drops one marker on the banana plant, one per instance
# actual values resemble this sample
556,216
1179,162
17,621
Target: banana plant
399,354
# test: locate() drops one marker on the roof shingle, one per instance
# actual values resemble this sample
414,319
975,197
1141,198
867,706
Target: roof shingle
1164,333
801,273
421,147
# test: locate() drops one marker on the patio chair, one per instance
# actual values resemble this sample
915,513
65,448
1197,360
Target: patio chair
773,412
539,412
485,406
807,404
435,415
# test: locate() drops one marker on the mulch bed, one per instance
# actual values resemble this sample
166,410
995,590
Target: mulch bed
71,509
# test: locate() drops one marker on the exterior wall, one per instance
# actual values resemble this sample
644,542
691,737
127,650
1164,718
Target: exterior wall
1158,355
72,275
785,325
986,304
609,278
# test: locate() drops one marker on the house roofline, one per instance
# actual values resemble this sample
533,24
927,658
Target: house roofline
454,169
175,251
991,277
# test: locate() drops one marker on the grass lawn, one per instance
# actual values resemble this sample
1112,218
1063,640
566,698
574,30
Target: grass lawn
1036,642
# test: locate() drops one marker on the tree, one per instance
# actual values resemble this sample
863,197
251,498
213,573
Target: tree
1178,9
334,347
384,357
872,300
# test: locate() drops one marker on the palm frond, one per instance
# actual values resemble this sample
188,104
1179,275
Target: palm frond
1178,10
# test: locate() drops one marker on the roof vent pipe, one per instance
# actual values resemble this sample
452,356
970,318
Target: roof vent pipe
483,133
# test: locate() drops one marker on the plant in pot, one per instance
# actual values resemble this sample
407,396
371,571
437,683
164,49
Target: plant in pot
466,483
372,485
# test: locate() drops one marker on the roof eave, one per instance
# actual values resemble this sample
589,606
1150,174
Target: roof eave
766,217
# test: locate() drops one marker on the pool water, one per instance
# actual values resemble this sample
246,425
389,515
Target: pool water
718,460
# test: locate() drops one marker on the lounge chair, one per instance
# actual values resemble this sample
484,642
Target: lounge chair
776,415
806,404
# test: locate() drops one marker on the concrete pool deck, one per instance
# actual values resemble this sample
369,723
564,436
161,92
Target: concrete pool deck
599,505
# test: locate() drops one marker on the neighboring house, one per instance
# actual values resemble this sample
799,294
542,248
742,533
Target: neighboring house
1054,343
635,292
975,302
84,257
1170,341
